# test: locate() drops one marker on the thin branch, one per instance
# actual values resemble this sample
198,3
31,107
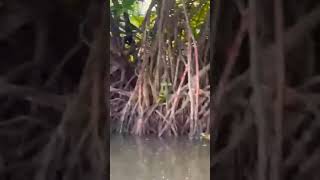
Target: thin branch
34,95
59,68
276,158
257,93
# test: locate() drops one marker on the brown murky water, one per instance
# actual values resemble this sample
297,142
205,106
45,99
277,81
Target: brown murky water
151,158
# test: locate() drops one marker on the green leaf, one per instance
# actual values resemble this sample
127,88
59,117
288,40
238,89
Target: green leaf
136,20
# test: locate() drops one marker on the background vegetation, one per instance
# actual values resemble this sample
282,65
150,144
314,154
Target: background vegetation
53,122
266,99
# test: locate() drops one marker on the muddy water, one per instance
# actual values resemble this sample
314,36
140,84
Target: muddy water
151,158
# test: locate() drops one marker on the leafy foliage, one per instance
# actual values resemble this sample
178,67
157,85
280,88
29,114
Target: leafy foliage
122,6
199,17
197,12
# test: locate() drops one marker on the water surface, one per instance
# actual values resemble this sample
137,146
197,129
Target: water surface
151,158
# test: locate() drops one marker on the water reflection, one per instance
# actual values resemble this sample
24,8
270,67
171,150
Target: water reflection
151,158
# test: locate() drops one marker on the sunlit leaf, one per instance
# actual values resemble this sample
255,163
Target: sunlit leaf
136,20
